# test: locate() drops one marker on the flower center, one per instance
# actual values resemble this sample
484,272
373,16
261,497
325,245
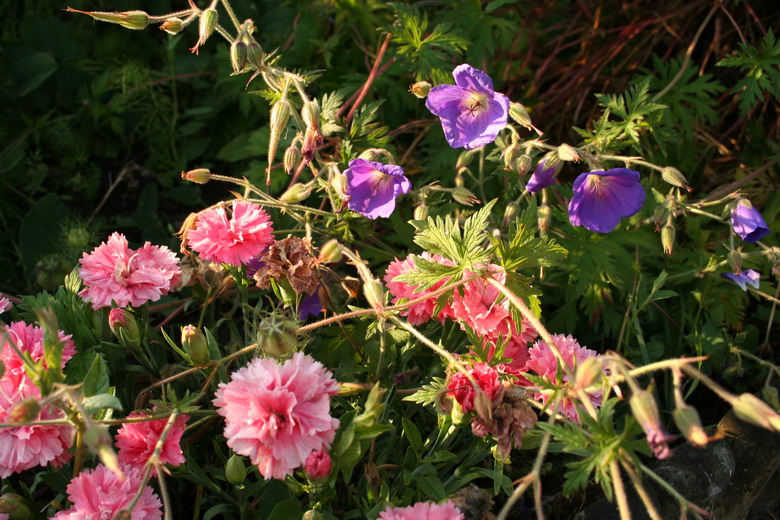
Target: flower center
597,184
476,103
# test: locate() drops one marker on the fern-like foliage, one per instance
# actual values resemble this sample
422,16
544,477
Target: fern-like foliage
762,75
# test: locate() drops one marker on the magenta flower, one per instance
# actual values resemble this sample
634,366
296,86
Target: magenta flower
601,199
136,441
423,511
542,177
373,187
318,465
748,222
114,272
745,278
471,112
277,415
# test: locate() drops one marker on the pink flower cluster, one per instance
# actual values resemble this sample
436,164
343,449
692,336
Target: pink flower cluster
99,494
277,415
423,511
24,447
114,272
464,392
233,240
477,304
136,441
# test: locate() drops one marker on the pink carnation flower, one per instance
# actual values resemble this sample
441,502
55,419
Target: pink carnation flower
5,304
136,441
29,338
278,414
420,312
98,494
115,272
233,240
464,392
24,447
479,307
544,363
318,465
423,511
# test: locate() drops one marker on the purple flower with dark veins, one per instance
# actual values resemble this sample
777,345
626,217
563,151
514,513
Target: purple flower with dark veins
601,199
743,279
542,177
748,222
310,306
373,187
472,113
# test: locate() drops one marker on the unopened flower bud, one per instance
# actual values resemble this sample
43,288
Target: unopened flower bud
543,216
339,184
277,336
310,112
292,158
482,405
135,20
124,327
420,89
195,344
238,57
464,196
687,420
421,212
587,372
735,260
198,175
330,252
235,470
24,411
255,55
123,514
667,238
674,177
750,408
568,153
295,193
172,25
312,140
15,507
511,211
207,24
375,294
522,164
77,237
645,410
312,514
519,114
318,465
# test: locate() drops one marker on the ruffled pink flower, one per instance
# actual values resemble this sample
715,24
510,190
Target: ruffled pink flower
29,338
98,494
423,511
318,465
464,392
233,240
5,304
479,306
136,441
544,363
419,312
278,414
114,272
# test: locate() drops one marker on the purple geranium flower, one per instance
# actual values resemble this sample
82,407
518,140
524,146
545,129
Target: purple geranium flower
310,306
542,177
373,187
472,113
748,222
745,278
601,199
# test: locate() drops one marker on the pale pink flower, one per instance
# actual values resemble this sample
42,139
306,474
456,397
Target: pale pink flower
423,511
4,516
5,304
114,272
278,414
544,363
464,392
29,338
98,494
318,465
136,441
26,446
233,240
420,312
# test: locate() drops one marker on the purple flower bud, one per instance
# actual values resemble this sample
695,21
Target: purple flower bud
601,199
471,112
542,177
743,279
373,187
747,222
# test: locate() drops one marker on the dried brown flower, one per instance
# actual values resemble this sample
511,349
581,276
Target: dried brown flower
289,258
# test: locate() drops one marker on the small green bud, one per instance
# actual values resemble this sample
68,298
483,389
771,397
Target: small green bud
277,336
330,252
568,153
511,211
456,413
421,212
124,327
687,420
238,56
198,175
750,408
312,514
77,237
674,177
15,507
511,154
310,112
195,344
296,193
587,372
523,164
420,89
519,114
207,24
172,25
374,292
24,411
464,196
235,470
339,184
543,216
667,238
292,158
255,55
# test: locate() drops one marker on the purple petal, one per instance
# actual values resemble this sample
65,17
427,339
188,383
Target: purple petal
467,76
541,178
445,100
599,204
310,306
745,278
492,121
748,222
373,187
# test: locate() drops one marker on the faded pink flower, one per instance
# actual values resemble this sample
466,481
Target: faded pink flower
114,272
420,312
5,304
278,414
26,446
318,465
29,338
423,511
136,441
233,240
544,363
464,392
98,494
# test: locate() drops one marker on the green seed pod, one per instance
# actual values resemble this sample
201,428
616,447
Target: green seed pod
172,25
15,507
330,252
24,411
296,193
420,89
194,343
238,56
207,24
292,158
235,470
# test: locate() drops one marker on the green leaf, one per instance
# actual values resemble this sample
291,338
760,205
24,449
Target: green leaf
412,435
290,508
96,381
97,403
31,71
761,65
427,394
